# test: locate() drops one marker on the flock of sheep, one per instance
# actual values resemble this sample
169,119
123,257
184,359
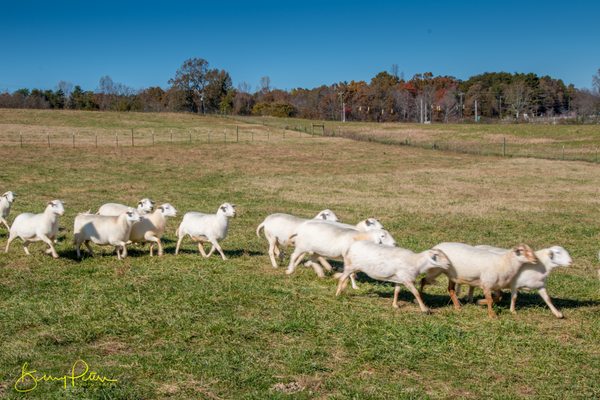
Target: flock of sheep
365,247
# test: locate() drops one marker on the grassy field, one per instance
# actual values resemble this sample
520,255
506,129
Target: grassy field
186,327
568,142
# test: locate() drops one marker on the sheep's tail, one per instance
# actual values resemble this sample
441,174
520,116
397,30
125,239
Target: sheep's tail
262,225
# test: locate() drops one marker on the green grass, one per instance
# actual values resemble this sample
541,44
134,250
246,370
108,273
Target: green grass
186,327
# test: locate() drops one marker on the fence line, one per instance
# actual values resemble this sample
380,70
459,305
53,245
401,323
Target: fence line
146,137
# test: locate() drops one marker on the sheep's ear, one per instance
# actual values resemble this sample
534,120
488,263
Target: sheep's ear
518,251
368,222
51,203
223,208
551,255
434,258
161,208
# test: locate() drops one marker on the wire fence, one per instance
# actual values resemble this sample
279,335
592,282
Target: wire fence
501,146
49,137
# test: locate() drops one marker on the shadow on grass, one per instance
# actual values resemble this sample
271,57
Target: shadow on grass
524,300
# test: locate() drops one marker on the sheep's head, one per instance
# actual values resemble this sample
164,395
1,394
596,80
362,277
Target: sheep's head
372,223
381,236
524,254
132,216
56,206
167,210
559,256
9,196
327,215
227,209
438,259
145,206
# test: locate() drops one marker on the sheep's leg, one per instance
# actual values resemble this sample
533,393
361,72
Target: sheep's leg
396,292
219,249
25,247
470,296
178,244
88,246
325,264
415,292
48,241
452,293
544,294
77,248
124,252
342,283
201,249
5,223
317,268
353,281
154,239
513,300
488,298
272,252
215,245
10,239
295,259
151,249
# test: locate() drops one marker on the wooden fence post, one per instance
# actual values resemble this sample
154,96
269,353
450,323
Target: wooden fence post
504,147
237,133
21,138
190,136
48,139
73,139
96,140
117,139
132,143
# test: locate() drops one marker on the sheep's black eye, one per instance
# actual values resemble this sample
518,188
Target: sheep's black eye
518,252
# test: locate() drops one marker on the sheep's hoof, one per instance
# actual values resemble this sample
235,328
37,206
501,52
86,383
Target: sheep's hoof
288,272
560,315
426,311
395,305
55,256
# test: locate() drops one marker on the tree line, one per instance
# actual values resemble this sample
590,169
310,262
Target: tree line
425,98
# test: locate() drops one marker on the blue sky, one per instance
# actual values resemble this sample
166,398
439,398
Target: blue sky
296,44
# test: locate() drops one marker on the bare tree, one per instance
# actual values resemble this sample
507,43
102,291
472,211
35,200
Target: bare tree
65,87
596,82
265,84
518,97
394,71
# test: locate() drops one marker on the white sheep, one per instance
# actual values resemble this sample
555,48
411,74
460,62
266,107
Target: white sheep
206,228
144,206
278,228
6,201
391,264
328,240
479,267
533,276
37,227
368,224
152,226
104,230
